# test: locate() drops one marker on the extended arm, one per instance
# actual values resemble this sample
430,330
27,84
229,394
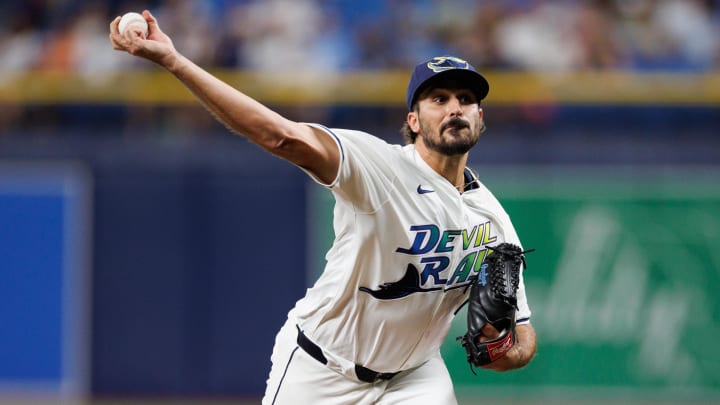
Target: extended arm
300,144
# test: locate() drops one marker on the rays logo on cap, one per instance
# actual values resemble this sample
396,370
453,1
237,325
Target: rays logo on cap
443,63
441,66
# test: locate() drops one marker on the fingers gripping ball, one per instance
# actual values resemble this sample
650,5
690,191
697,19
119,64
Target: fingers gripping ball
493,300
133,21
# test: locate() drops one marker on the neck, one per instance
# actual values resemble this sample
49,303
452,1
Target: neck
451,168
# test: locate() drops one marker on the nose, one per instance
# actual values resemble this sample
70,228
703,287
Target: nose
455,106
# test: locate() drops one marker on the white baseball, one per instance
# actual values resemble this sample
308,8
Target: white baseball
133,19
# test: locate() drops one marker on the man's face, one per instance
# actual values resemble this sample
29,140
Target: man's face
448,119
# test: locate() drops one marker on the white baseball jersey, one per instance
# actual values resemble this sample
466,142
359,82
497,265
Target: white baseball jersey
406,244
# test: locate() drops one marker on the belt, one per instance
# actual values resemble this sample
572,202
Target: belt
363,373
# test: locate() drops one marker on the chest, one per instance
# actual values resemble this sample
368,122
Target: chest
444,235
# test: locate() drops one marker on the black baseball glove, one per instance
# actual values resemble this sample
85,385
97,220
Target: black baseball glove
493,300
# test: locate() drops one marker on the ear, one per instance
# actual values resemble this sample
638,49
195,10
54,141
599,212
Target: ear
413,122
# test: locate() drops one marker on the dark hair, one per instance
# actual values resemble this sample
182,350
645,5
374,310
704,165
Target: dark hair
407,133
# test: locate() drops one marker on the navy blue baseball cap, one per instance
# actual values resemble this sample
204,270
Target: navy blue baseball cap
426,72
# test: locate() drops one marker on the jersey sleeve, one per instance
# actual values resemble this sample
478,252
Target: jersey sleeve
366,175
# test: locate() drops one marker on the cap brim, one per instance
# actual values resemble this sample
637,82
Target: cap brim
469,78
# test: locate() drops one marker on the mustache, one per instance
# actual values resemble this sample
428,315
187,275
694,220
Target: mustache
456,122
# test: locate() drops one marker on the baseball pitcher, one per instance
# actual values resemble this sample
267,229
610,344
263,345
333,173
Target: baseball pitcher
417,236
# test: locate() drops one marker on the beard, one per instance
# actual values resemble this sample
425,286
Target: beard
454,137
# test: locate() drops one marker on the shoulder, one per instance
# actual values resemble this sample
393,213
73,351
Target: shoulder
356,137
360,143
343,132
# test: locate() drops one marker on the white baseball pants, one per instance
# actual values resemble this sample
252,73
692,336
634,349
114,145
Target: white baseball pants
297,378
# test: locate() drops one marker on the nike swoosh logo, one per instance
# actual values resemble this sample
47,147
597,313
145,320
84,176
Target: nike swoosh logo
421,190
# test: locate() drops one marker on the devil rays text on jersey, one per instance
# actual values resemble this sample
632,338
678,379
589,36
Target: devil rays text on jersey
434,246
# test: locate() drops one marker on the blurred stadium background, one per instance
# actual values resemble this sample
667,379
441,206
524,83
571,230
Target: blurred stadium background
147,256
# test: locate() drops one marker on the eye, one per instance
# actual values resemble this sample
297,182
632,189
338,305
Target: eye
467,98
439,99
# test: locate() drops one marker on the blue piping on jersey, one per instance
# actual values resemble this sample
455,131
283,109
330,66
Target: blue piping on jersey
337,139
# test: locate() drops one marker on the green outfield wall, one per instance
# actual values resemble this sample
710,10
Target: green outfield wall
623,285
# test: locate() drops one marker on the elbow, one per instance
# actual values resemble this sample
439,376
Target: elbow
276,144
523,361
278,141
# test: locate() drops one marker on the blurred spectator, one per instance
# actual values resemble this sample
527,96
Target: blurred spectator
542,38
326,36
19,49
689,25
286,35
478,39
599,48
193,28
331,35
88,52
399,33
646,44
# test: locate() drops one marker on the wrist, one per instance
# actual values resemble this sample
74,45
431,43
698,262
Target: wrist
172,62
